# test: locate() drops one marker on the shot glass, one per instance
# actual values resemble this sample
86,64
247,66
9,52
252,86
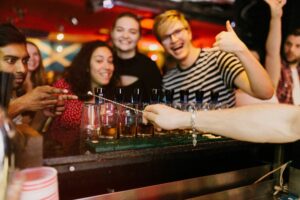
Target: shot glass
109,121
127,125
143,130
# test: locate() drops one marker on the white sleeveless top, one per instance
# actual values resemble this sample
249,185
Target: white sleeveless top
296,86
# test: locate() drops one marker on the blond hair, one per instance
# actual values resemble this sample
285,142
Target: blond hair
166,20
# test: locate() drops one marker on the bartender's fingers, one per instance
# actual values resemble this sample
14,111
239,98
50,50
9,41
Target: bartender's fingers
148,117
150,108
158,129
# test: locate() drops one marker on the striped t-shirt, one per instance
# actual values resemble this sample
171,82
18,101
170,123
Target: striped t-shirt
212,71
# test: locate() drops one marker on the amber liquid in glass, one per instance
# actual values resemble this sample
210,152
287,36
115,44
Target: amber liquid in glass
145,130
88,135
108,132
91,135
127,131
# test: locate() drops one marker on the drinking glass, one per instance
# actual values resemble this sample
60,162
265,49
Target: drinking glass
90,123
127,121
184,99
185,105
157,96
214,96
143,130
109,121
168,97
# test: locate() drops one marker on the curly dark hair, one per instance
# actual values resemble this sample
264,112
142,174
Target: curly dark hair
78,74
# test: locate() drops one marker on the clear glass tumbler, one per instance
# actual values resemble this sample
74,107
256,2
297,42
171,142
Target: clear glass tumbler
90,123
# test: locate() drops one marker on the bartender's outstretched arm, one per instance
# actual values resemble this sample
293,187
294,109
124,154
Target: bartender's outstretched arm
263,123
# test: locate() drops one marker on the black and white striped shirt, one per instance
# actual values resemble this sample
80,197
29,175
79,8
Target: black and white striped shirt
212,71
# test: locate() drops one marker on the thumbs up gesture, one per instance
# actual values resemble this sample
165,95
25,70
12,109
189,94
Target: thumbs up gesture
228,41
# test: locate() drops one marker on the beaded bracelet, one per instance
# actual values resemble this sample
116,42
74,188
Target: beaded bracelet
193,120
193,126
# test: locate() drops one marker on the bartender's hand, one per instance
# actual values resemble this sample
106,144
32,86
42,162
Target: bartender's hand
164,117
228,41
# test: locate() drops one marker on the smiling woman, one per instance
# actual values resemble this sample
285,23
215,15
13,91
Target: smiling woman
36,74
92,67
136,70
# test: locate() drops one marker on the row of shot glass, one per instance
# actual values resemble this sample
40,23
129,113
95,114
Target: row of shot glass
107,120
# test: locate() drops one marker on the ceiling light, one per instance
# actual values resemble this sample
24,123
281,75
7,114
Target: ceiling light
153,47
108,4
154,57
233,24
60,36
74,21
59,48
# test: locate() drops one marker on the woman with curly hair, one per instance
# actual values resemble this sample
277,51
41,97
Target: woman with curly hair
92,67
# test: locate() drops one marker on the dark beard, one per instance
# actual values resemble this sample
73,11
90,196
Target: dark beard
292,61
17,86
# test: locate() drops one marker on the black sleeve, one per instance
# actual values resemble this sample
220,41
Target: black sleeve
153,78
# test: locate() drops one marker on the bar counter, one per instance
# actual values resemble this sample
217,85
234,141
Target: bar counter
88,173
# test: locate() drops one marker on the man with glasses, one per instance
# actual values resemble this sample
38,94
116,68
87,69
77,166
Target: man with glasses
226,66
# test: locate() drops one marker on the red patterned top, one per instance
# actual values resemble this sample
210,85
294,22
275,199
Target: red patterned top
64,129
285,85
